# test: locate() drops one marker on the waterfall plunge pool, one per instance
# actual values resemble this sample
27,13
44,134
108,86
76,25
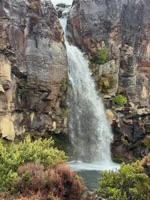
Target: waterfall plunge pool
90,178
90,172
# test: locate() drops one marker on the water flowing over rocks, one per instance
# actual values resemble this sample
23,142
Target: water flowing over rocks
33,68
89,131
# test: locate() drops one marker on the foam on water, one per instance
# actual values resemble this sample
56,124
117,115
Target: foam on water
81,166
67,2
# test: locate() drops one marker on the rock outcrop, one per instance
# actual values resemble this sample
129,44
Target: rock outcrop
131,138
123,27
33,68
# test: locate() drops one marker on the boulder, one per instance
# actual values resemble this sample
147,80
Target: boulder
7,127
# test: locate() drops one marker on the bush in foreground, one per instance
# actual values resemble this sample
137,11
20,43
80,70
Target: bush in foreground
128,183
58,182
14,155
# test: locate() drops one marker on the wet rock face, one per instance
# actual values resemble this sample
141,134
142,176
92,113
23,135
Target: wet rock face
33,64
124,28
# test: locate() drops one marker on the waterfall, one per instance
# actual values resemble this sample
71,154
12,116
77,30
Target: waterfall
89,131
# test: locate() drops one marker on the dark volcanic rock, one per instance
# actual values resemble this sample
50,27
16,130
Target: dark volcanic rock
124,28
32,68
131,138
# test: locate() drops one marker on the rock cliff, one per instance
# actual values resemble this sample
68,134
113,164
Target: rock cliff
33,68
122,27
116,36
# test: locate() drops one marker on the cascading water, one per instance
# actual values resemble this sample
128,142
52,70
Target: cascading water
90,133
89,130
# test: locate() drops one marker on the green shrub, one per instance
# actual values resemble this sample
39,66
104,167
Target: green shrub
101,56
14,155
120,100
129,182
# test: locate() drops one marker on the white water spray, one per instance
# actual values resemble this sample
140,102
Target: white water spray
89,130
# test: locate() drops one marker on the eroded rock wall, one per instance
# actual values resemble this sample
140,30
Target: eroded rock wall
123,27
33,68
